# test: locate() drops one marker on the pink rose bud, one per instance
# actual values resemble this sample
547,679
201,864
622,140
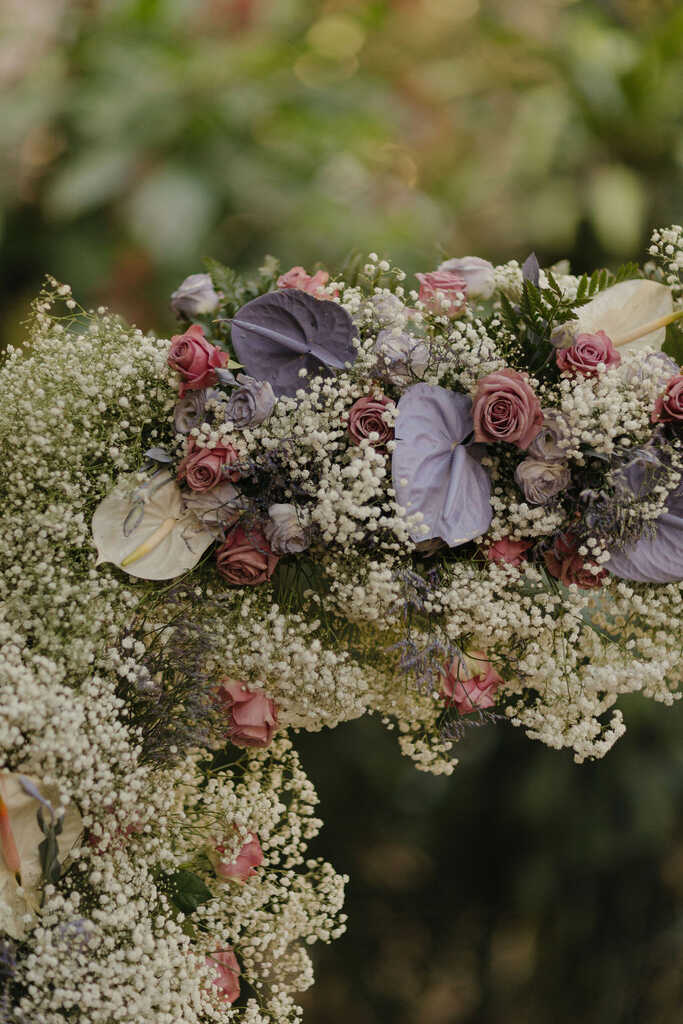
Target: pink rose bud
565,564
298,278
506,409
365,418
443,291
227,969
512,552
470,686
205,468
195,359
252,717
669,406
587,351
243,866
245,557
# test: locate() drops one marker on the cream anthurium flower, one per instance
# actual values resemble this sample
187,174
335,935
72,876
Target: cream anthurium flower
21,873
145,529
625,310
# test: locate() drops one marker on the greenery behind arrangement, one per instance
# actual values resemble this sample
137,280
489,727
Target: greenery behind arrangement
137,137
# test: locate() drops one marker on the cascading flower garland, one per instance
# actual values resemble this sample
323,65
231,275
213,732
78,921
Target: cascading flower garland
325,497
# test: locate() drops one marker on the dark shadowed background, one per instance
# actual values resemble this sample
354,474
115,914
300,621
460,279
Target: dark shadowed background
137,137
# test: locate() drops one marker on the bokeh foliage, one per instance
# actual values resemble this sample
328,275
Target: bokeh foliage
139,136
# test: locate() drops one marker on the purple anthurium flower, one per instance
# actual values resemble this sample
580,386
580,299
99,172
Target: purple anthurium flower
434,472
657,559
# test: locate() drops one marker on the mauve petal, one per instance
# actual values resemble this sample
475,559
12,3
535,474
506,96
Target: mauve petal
444,482
658,559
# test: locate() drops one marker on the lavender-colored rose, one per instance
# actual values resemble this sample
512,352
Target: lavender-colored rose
401,356
547,445
251,403
196,296
285,532
541,481
478,275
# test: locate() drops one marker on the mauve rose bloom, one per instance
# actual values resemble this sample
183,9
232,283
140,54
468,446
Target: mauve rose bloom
250,404
365,418
470,686
195,359
586,353
204,468
541,481
669,406
284,531
252,717
245,557
227,970
401,356
243,866
195,297
506,409
218,509
512,552
563,562
477,273
443,292
298,278
546,445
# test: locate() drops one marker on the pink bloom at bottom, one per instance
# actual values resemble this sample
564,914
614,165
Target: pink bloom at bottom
243,866
252,717
227,981
512,552
472,686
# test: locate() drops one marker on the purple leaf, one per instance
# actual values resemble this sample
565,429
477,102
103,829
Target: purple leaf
433,472
280,333
657,559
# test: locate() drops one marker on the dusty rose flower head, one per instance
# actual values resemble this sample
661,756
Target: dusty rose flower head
477,273
245,557
565,564
227,968
252,717
365,418
298,278
513,552
586,353
204,468
251,403
540,481
470,684
244,866
443,291
195,359
669,406
506,409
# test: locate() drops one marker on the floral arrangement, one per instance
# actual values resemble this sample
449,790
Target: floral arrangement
325,497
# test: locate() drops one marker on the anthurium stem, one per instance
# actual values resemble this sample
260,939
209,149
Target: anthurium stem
654,325
151,543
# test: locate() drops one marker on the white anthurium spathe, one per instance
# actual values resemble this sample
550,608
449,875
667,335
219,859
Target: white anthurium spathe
21,874
145,529
626,310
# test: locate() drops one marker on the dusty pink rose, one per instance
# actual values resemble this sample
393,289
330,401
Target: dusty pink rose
365,418
245,863
443,291
227,970
513,552
195,359
245,557
506,409
565,564
472,686
204,468
669,406
252,717
298,278
586,353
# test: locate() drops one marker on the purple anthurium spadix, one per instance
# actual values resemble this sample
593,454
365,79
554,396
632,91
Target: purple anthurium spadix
281,333
656,559
434,473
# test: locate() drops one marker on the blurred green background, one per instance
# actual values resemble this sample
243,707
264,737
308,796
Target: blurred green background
137,137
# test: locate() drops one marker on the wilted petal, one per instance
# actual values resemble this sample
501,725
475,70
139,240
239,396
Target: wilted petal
442,479
175,537
623,308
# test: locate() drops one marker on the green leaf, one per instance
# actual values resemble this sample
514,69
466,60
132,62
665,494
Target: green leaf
673,345
188,891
